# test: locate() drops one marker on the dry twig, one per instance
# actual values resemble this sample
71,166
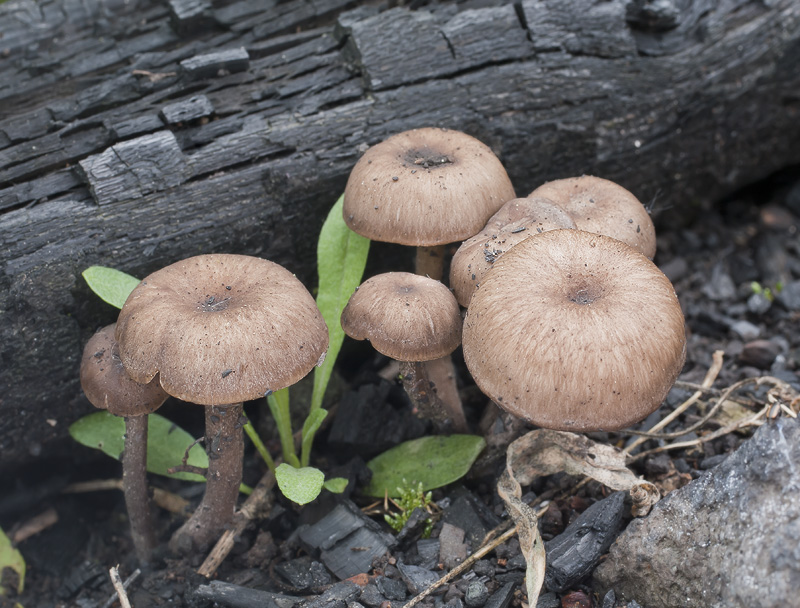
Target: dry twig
119,587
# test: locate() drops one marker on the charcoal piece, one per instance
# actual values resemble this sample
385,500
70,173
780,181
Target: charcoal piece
347,540
393,589
428,551
187,109
477,594
135,168
417,579
368,424
303,573
370,47
487,35
236,596
609,599
371,596
582,27
469,514
85,574
414,527
574,553
211,65
338,596
125,128
515,577
502,597
190,15
453,550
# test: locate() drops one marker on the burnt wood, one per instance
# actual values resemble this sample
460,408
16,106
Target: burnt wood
133,134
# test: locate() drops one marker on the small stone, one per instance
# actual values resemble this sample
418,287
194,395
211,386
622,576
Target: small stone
789,296
453,550
745,330
417,579
609,599
371,596
576,599
758,303
502,597
548,600
759,354
720,286
476,595
712,461
391,588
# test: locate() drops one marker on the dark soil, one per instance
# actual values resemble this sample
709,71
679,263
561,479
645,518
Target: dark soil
736,269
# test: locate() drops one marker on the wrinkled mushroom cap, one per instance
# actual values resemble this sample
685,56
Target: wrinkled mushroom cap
517,220
425,187
108,386
603,207
404,316
220,329
575,331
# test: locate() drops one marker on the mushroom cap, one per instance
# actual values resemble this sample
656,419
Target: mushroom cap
220,329
405,316
603,207
425,187
108,386
517,220
575,331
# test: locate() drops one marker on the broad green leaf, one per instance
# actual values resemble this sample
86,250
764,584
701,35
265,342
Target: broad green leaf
299,485
11,558
311,425
432,461
279,406
335,485
341,258
113,286
166,443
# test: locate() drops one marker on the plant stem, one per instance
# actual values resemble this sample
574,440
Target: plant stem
225,447
134,485
279,406
260,447
430,262
426,400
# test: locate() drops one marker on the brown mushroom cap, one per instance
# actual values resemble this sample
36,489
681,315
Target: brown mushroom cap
575,331
220,329
603,207
425,187
405,316
108,386
517,220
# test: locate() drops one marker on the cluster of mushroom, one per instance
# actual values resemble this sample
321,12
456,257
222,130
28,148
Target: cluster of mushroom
215,330
569,324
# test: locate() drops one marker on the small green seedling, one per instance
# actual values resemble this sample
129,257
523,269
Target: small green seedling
410,497
432,461
12,559
341,259
767,292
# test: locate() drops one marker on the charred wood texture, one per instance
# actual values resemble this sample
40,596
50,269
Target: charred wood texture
136,133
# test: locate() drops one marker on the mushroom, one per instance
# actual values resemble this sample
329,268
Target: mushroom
575,331
425,188
412,319
603,207
218,330
108,387
517,220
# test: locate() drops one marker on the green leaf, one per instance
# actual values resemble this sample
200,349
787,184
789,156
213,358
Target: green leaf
113,286
311,425
166,442
11,558
341,258
432,461
299,485
335,485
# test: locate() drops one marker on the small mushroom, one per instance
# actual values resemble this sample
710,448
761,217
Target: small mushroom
218,330
517,220
412,319
600,206
425,188
575,331
107,386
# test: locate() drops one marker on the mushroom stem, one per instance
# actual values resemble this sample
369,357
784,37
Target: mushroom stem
425,396
225,447
430,262
134,485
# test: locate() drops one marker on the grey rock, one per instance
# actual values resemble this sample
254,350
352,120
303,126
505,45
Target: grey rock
745,330
391,588
720,286
371,596
789,296
417,579
731,538
758,303
476,595
337,596
452,549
